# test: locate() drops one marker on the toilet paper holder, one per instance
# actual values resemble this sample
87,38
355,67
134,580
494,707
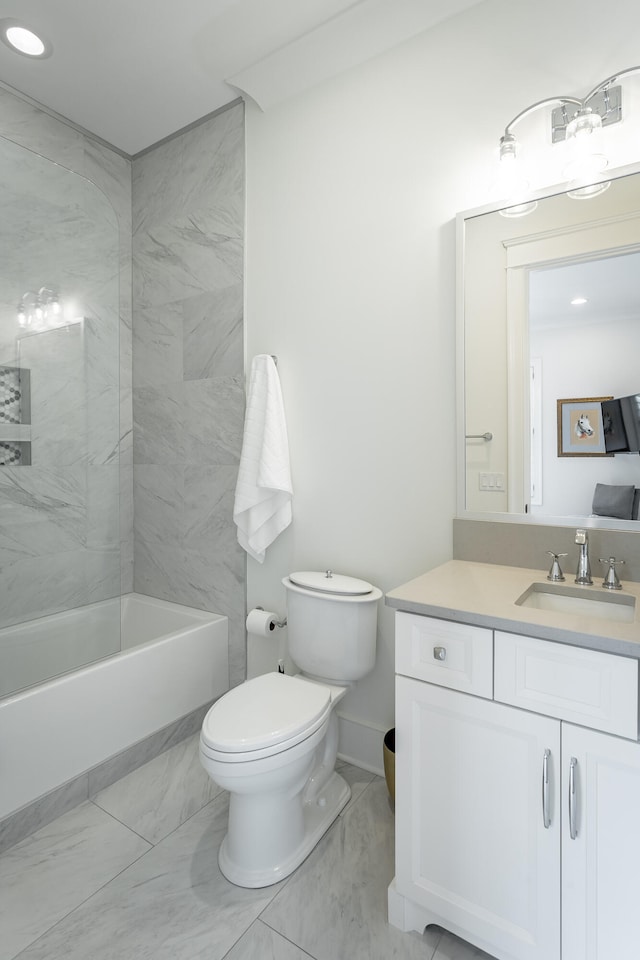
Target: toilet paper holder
276,623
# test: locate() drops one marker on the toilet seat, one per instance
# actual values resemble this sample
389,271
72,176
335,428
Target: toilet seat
264,716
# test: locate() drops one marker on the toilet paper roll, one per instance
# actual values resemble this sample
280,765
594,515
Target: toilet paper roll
261,622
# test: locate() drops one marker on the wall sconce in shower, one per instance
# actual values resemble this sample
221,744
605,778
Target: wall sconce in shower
576,122
41,310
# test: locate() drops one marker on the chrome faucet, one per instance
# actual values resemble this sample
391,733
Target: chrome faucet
583,573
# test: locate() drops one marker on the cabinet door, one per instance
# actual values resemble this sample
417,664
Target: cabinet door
472,848
601,851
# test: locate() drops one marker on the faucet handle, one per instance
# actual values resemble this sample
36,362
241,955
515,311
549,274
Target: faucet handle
611,581
555,573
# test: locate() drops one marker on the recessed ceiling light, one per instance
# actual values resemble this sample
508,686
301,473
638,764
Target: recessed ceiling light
578,301
21,39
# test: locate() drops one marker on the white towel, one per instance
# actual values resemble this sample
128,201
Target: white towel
262,508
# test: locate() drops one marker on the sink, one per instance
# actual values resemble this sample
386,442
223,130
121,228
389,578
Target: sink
579,601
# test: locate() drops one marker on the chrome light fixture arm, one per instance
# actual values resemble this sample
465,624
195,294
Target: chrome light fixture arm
537,106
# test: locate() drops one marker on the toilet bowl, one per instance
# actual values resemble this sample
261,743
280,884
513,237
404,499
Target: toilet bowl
271,742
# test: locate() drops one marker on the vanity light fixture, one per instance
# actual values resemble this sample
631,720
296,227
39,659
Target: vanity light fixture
578,301
23,40
578,122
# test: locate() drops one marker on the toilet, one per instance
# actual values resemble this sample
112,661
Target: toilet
272,741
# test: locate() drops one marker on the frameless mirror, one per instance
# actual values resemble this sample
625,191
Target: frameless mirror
549,326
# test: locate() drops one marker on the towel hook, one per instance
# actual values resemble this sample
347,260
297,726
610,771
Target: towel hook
479,436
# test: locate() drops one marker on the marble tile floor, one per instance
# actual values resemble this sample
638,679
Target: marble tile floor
133,873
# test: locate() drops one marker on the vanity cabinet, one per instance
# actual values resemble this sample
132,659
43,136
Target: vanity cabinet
601,862
516,828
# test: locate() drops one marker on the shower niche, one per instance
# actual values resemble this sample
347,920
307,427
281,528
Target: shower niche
15,417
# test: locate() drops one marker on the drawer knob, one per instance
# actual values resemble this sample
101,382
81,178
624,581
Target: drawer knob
439,653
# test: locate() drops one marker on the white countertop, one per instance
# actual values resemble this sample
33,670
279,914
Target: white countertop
485,594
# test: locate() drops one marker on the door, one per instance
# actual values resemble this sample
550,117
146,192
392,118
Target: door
476,846
600,846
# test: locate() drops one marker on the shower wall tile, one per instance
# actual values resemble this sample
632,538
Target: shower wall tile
157,191
158,424
220,181
158,345
157,568
126,528
212,334
44,585
30,127
159,503
181,259
66,545
208,504
103,497
188,399
213,420
111,173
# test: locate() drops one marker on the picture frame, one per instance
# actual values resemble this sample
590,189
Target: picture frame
580,427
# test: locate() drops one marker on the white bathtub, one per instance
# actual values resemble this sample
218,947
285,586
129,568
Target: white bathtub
173,659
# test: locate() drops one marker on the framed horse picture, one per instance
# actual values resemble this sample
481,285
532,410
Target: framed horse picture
580,427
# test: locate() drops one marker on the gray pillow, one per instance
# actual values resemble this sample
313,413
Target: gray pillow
612,501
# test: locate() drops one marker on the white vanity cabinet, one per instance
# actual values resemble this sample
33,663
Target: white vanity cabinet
601,857
515,828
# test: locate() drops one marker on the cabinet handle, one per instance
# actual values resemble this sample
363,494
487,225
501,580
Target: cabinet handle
546,819
573,803
439,653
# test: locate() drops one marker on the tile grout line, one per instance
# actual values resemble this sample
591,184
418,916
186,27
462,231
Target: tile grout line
46,932
287,939
152,846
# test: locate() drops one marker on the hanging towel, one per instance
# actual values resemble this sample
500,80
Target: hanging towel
262,508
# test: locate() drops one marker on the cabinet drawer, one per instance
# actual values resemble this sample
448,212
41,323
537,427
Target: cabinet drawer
466,652
598,690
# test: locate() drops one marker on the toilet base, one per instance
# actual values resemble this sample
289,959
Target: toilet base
319,814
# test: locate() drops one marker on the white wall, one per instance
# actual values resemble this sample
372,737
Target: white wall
352,190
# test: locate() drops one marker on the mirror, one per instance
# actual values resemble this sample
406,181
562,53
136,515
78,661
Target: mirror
523,346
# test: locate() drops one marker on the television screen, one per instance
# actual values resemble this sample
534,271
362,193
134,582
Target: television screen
630,408
615,435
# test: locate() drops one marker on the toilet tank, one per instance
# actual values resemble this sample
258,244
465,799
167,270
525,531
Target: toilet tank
332,622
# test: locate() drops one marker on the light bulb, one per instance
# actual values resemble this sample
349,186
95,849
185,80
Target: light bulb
25,41
510,182
20,39
584,143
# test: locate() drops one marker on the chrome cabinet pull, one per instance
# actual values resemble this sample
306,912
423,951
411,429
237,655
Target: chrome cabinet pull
546,819
439,653
573,833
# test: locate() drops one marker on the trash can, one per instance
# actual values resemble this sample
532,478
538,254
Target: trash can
389,757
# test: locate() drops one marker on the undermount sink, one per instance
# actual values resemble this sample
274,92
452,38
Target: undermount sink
579,601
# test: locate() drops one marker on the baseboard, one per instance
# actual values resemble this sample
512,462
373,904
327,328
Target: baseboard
360,743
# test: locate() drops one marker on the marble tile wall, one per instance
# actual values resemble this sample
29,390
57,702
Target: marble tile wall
188,379
59,537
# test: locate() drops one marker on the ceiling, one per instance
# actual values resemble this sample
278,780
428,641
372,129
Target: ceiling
133,72
609,285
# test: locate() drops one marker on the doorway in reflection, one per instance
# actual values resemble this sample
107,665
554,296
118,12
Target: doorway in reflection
584,340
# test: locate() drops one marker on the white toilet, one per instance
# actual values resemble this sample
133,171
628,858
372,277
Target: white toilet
272,741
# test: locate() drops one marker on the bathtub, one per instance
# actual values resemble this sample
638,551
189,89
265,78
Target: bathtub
169,661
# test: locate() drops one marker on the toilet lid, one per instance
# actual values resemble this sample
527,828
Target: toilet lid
265,711
329,582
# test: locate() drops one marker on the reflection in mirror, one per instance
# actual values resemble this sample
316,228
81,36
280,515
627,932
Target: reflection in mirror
550,310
